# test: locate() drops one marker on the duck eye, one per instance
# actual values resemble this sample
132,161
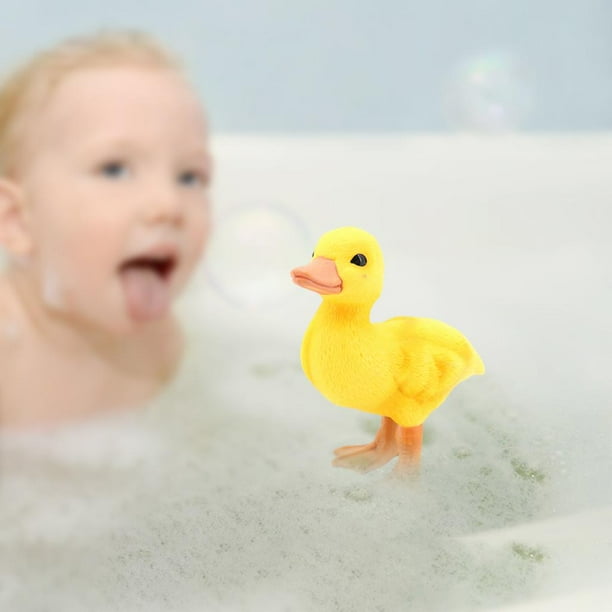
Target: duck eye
313,253
359,260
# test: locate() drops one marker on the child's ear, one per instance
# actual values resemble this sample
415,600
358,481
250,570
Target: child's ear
14,234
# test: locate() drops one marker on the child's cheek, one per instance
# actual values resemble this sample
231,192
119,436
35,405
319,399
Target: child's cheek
54,286
205,229
51,259
73,271
201,242
62,275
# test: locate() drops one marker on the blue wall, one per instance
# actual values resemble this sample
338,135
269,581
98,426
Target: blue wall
361,66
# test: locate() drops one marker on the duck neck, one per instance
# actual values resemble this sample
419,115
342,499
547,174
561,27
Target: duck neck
346,314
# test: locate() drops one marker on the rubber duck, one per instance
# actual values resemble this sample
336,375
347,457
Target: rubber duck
401,369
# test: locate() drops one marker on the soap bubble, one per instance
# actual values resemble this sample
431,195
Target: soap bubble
489,92
252,250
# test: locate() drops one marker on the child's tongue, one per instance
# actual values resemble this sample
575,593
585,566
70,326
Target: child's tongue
147,293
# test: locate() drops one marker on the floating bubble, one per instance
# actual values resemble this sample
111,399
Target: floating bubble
489,92
252,250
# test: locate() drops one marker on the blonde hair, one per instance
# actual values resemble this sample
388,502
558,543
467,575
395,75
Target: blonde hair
30,85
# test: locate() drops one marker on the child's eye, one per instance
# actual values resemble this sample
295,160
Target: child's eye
114,169
192,178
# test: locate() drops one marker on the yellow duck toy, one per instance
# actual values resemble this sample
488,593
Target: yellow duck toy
402,369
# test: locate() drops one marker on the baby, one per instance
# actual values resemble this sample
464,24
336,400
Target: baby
104,212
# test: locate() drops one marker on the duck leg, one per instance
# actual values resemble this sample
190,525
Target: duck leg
409,441
367,457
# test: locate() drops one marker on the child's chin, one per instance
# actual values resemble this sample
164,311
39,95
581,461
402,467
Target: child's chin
123,325
131,325
112,317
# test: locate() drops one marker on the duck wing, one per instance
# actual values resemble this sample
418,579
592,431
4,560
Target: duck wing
435,357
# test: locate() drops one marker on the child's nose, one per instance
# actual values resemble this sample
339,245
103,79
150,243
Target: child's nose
164,204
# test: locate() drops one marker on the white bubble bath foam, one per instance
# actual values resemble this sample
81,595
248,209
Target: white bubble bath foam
220,495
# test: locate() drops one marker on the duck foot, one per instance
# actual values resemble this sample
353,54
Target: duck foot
409,442
390,441
367,457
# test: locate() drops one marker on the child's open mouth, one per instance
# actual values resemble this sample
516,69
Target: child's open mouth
146,282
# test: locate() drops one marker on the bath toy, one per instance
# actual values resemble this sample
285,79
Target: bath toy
401,369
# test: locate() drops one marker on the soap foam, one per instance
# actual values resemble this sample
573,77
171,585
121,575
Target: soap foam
221,496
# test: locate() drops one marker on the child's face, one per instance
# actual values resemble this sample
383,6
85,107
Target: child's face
115,185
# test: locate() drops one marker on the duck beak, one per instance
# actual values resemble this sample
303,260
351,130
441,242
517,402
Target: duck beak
320,275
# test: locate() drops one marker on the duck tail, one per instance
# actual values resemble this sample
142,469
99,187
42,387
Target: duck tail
478,366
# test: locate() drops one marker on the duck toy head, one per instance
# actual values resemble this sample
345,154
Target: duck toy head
347,268
401,369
